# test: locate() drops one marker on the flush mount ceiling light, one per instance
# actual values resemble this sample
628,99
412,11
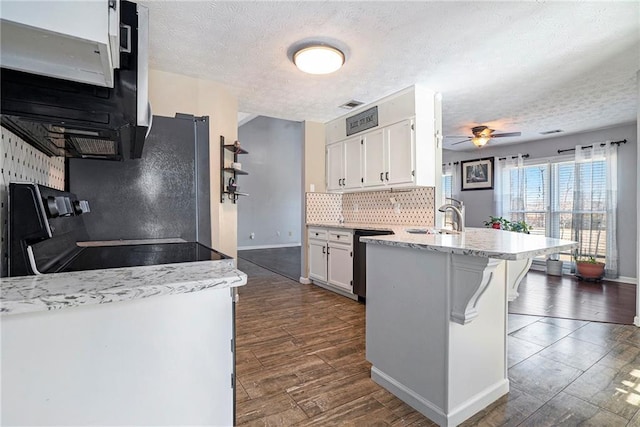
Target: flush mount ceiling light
318,59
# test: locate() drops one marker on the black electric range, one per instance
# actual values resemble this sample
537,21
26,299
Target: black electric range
45,226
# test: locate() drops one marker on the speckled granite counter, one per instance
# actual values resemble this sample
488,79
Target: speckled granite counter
481,242
358,226
62,290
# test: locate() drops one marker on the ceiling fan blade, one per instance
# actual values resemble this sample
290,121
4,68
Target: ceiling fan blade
502,135
460,142
456,136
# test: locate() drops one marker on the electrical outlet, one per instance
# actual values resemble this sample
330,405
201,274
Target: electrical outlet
252,235
396,208
278,233
356,207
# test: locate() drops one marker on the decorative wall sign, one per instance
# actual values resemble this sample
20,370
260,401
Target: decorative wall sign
362,121
477,174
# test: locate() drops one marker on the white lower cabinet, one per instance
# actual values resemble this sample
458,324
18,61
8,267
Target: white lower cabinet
331,258
318,260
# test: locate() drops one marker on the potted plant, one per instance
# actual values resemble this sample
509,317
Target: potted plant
554,265
497,222
588,268
500,223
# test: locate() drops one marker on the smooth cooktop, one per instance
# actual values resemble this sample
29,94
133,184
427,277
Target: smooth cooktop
99,257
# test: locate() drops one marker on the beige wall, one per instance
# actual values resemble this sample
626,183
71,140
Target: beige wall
313,172
174,93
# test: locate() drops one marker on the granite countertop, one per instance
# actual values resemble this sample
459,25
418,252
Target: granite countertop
482,242
63,290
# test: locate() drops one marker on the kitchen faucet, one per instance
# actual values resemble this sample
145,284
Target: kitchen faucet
457,206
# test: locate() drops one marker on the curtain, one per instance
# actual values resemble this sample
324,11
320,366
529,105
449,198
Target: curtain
595,199
509,187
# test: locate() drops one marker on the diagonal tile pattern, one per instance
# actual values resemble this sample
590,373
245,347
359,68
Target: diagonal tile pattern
301,362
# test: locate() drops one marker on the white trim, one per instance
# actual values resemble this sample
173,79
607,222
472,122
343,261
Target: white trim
636,321
455,415
270,246
305,280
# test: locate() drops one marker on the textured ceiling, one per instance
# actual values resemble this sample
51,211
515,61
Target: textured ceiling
515,66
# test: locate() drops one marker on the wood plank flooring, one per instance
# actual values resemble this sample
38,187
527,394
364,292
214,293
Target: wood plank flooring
301,361
570,298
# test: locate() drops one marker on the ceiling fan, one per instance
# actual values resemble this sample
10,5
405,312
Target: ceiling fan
482,135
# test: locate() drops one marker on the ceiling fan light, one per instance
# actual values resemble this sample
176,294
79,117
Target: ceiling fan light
319,59
480,141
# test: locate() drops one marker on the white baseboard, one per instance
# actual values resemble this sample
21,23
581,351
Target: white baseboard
305,280
457,415
270,246
636,321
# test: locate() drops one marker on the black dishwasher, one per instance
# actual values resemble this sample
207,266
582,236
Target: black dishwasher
360,260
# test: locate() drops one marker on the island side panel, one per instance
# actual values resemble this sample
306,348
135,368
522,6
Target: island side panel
162,360
407,321
477,352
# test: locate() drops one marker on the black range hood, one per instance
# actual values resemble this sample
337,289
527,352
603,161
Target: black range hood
71,119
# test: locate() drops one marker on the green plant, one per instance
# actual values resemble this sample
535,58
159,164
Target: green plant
586,259
501,223
497,222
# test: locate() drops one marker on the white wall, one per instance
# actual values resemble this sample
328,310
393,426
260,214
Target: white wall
479,203
274,163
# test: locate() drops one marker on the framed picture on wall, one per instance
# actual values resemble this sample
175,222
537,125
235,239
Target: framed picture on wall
477,174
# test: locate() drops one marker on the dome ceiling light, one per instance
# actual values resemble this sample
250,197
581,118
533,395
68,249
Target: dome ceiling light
318,59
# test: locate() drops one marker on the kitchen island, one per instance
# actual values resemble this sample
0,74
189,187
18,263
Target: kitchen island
436,315
145,345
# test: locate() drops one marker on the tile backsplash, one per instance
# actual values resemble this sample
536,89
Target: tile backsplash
412,207
21,162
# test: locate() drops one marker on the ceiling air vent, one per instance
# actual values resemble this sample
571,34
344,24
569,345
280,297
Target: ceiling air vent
549,132
351,104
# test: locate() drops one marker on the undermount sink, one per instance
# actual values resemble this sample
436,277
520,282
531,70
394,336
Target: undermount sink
430,231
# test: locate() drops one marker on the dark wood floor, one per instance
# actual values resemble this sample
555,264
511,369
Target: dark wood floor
301,361
284,261
570,298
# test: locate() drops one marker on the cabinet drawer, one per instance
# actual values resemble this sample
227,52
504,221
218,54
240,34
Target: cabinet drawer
345,237
317,233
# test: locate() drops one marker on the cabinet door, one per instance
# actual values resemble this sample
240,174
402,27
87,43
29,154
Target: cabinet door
400,149
352,163
318,260
340,268
374,167
335,166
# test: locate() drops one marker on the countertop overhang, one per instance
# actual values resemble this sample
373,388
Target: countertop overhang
63,290
480,242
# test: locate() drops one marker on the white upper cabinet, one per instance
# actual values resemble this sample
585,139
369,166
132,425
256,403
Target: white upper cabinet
335,166
400,153
404,149
374,158
70,40
352,163
344,161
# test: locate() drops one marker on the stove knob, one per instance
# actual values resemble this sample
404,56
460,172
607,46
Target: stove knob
52,207
80,207
67,210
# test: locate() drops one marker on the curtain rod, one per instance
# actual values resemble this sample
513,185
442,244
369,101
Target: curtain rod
524,156
624,141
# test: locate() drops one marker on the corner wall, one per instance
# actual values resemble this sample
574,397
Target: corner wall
313,178
171,93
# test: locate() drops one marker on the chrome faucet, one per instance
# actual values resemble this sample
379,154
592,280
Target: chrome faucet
458,208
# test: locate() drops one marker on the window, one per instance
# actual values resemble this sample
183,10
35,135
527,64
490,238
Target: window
543,195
